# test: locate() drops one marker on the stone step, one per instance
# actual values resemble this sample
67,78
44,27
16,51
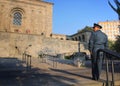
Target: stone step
91,84
117,83
95,83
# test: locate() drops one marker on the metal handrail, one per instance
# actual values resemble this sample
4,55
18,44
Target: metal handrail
114,55
27,59
109,55
54,62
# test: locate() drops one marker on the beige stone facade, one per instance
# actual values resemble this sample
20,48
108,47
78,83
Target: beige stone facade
26,16
58,36
111,29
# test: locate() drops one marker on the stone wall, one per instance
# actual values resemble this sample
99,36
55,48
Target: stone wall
13,45
58,36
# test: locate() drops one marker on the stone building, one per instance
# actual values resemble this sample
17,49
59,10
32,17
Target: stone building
26,26
26,16
82,38
111,29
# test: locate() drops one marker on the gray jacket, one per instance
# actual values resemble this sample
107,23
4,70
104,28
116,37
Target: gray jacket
98,40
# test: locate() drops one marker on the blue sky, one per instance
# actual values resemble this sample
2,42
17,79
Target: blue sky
69,16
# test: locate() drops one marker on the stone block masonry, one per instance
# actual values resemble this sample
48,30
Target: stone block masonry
26,16
15,44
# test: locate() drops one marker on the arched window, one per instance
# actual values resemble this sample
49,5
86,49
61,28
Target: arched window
76,38
83,38
73,39
79,38
17,18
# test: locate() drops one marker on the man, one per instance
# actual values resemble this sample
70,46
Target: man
98,40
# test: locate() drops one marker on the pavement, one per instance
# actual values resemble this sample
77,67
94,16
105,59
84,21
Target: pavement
13,73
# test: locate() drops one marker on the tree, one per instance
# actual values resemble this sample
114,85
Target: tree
117,44
111,44
87,28
117,10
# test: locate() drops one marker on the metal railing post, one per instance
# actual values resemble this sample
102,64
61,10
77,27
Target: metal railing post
112,67
30,61
23,56
107,70
53,62
27,62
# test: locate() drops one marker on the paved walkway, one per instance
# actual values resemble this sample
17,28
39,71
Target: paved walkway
13,73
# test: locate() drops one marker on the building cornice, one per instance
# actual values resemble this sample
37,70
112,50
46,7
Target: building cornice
32,2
